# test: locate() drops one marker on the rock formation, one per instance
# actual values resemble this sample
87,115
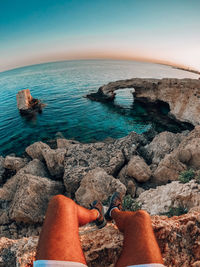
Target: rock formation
25,198
15,163
182,95
178,238
81,158
26,104
186,155
173,195
35,150
134,165
138,169
92,184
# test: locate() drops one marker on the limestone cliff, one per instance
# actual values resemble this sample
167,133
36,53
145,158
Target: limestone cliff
182,95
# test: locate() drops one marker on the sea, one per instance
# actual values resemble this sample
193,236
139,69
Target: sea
62,87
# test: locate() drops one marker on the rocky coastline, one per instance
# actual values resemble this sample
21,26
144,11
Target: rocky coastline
159,173
181,95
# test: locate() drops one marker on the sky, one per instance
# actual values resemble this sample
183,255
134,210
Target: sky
37,31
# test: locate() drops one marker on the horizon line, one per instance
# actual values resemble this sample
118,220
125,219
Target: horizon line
139,59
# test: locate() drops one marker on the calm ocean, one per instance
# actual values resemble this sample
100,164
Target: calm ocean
62,87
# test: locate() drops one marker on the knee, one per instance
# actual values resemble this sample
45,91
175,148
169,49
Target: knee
142,214
60,200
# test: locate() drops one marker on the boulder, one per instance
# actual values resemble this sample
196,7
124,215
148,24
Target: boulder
92,184
163,144
129,144
35,150
54,160
138,169
186,155
36,168
2,169
178,239
81,158
127,181
188,151
173,195
14,163
31,198
25,197
168,169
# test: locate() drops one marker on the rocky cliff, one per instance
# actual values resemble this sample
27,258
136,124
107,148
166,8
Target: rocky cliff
144,169
178,238
182,95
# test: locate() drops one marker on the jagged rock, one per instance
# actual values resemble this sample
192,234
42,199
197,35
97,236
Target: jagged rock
17,252
24,99
138,169
35,150
168,169
8,189
34,167
189,150
175,194
31,198
182,95
65,143
127,181
81,158
2,169
129,144
27,104
17,230
54,160
187,154
98,185
14,163
163,144
28,198
178,238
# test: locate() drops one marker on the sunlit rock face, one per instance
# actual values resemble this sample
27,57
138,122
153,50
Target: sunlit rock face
182,95
24,99
28,105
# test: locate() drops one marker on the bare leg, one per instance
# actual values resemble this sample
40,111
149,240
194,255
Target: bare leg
59,238
140,245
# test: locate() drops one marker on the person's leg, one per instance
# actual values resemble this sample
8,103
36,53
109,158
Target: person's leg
59,238
140,245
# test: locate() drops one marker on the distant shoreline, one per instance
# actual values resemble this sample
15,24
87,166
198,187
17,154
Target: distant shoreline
187,69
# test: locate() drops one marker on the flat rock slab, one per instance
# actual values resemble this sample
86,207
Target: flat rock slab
81,158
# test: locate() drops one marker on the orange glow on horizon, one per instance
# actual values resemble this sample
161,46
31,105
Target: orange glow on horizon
94,55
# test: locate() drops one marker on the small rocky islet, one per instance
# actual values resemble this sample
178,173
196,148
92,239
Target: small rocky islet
145,168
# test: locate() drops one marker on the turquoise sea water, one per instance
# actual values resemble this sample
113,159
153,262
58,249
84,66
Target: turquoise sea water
62,87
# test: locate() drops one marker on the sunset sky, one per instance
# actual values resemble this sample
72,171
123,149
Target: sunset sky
36,31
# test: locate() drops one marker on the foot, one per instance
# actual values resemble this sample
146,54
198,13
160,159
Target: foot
115,202
100,221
